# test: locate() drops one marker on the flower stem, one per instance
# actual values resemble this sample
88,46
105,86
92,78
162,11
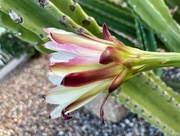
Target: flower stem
150,60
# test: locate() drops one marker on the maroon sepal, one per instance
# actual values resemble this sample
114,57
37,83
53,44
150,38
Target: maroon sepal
106,34
101,108
106,56
118,80
109,55
82,78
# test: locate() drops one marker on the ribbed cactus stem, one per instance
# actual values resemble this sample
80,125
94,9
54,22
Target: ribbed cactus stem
63,19
73,10
19,31
156,16
152,102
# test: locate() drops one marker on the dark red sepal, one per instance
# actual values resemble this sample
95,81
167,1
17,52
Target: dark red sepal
106,33
101,108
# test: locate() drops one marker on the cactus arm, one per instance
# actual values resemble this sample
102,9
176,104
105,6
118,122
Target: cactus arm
149,102
22,33
118,5
29,15
74,10
113,17
162,85
64,20
157,17
174,4
35,21
139,33
146,38
114,32
122,17
174,83
147,41
18,30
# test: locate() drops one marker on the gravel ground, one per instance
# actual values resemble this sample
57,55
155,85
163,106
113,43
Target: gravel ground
24,113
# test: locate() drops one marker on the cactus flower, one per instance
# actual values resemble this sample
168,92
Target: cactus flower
84,66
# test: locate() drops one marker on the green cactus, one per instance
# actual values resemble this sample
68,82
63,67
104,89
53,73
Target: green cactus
144,94
120,20
147,41
174,7
76,13
20,31
155,15
155,103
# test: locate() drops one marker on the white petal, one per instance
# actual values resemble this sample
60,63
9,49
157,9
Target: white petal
62,56
55,79
87,97
56,113
83,103
63,95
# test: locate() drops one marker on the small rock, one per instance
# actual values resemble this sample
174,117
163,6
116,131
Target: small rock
112,111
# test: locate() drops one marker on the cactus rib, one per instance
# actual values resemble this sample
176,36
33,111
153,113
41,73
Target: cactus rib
76,13
104,12
21,32
157,17
151,104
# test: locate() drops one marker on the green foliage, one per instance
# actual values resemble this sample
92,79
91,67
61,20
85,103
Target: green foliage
13,46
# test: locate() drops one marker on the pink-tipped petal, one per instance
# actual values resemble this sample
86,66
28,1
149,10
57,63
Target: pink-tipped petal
72,48
46,30
84,60
78,40
119,44
98,39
